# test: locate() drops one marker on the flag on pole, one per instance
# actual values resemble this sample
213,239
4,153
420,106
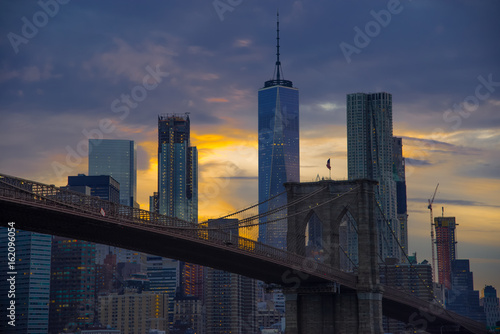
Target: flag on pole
328,164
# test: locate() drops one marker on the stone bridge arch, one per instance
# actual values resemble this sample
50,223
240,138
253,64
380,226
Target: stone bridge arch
351,312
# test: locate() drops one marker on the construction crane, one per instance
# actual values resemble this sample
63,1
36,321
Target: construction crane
431,200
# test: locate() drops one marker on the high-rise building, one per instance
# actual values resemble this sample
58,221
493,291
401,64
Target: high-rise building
462,298
116,158
401,204
446,248
163,275
31,285
73,281
72,291
230,298
178,187
134,312
489,301
278,149
177,168
370,155
107,188
413,278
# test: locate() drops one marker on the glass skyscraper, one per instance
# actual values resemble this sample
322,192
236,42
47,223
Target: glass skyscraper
118,159
177,168
32,284
278,150
370,155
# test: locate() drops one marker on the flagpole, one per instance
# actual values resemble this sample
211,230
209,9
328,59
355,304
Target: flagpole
330,173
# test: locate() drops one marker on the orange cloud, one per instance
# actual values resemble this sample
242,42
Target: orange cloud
216,99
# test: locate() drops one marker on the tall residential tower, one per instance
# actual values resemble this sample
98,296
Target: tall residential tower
370,155
278,148
446,248
177,168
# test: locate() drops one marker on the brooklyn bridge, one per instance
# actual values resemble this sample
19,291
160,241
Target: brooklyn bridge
321,296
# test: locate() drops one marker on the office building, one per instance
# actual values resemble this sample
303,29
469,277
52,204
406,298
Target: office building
230,298
462,298
163,275
107,188
72,292
103,186
32,282
446,248
412,278
278,126
73,271
177,168
134,312
491,305
370,156
116,158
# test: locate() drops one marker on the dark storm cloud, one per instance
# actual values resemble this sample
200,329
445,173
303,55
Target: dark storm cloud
91,53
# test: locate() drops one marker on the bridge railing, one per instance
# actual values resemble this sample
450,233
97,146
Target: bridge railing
49,195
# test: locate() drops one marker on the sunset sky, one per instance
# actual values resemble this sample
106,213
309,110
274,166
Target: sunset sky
66,75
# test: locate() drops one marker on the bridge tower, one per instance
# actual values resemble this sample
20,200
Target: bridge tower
321,308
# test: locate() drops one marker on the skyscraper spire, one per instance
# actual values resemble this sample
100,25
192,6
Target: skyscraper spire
278,63
278,77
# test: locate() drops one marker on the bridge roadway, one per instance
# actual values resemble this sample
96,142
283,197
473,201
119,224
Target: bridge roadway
46,209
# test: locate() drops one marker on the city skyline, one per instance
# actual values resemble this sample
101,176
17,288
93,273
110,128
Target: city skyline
214,67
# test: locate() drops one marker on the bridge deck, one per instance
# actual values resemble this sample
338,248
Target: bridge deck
46,209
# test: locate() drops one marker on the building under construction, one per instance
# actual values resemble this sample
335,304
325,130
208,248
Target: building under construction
446,248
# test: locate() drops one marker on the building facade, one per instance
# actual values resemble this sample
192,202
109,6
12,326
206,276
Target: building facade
230,299
32,281
134,312
103,186
491,305
116,158
72,291
462,298
163,275
446,248
401,201
177,168
370,155
278,126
